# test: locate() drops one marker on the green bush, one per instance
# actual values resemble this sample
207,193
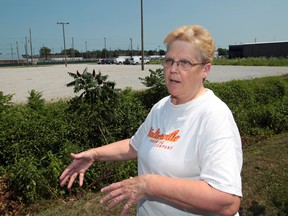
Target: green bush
30,141
157,88
106,114
35,100
259,106
5,101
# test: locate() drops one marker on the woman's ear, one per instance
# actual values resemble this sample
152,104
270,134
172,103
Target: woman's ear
206,70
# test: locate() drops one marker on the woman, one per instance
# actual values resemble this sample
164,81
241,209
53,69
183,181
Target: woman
188,148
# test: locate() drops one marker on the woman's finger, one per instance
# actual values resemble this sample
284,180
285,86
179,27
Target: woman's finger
81,179
111,196
125,209
115,201
72,179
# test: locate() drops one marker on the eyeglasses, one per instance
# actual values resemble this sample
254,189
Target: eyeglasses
182,64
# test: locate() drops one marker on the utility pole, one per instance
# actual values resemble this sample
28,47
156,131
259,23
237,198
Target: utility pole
131,46
31,46
105,47
73,48
142,37
12,52
62,23
17,50
26,51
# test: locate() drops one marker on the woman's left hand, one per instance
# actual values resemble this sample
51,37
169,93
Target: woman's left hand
130,191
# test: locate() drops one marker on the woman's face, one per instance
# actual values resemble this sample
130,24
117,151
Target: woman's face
184,85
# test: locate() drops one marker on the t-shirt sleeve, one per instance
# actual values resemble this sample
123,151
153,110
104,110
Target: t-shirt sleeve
221,153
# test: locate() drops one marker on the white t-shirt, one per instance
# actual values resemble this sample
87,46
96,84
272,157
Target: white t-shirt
198,140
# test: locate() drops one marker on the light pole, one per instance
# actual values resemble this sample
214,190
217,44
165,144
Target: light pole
142,37
31,49
131,46
62,23
105,47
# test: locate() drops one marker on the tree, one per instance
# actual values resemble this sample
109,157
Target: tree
222,52
152,52
72,52
45,52
162,52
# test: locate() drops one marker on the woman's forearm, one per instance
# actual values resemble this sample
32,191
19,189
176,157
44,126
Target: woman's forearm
121,150
195,195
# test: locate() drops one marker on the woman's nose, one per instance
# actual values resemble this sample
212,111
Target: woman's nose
174,67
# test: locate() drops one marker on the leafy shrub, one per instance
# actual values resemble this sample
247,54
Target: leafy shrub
29,145
5,101
157,88
269,117
35,100
259,106
130,114
35,178
94,88
105,113
268,90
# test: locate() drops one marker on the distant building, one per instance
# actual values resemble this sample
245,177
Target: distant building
264,49
8,59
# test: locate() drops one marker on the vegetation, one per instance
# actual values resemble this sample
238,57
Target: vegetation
261,61
36,139
45,52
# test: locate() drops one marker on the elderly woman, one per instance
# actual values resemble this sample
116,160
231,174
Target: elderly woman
188,148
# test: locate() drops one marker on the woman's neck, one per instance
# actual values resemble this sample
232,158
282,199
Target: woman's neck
178,101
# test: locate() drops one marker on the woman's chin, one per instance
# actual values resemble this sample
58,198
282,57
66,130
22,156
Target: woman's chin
173,91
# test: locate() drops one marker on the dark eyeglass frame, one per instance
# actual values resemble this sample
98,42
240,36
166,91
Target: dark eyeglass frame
184,64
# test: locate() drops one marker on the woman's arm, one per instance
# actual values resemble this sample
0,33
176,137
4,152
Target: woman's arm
121,150
194,195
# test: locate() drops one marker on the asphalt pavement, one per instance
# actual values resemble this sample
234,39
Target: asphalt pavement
51,80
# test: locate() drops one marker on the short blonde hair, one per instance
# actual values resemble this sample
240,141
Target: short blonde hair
198,36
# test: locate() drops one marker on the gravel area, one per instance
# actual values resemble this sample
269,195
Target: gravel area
51,80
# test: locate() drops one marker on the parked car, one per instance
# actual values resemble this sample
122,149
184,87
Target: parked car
146,60
107,61
134,60
127,61
120,60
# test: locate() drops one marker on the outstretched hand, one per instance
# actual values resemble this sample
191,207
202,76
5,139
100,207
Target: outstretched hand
129,191
80,164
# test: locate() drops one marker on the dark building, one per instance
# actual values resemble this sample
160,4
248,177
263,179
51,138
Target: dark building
265,49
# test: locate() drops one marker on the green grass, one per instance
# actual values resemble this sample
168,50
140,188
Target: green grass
264,174
87,205
264,177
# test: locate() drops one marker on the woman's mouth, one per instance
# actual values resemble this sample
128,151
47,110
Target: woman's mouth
173,81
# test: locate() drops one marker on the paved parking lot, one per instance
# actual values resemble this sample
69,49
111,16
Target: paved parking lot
51,80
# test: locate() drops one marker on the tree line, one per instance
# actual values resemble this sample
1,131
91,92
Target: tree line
45,53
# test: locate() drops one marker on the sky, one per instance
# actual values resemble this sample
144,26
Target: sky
118,22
